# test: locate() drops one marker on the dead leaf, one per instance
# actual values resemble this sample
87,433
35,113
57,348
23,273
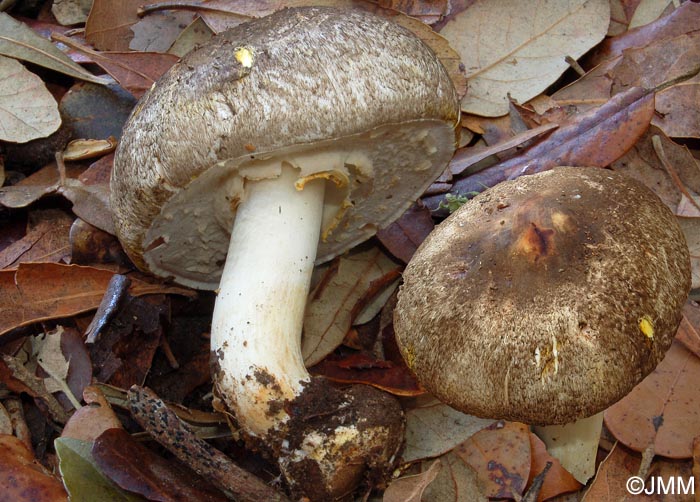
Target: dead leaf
135,71
69,12
157,31
90,421
19,379
18,41
557,480
595,138
33,187
82,477
511,49
123,353
108,26
83,149
27,109
500,455
684,19
162,424
679,116
96,112
23,478
648,11
456,482
46,240
340,296
41,291
433,428
360,367
135,468
404,235
662,409
46,349
410,488
696,463
614,473
688,333
90,202
610,482
196,33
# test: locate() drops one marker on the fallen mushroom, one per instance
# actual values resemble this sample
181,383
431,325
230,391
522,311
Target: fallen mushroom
304,132
545,300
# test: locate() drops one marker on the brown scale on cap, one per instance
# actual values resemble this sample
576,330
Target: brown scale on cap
556,293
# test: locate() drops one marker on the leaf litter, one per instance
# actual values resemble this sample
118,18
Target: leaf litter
56,268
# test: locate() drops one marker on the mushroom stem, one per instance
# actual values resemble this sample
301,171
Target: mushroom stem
574,444
259,312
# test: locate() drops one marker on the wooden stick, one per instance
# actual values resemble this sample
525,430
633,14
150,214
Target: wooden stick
154,416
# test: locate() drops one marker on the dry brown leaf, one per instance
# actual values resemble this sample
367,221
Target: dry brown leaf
433,428
135,71
157,31
40,291
595,138
18,41
46,240
69,12
23,478
648,11
456,482
662,409
108,27
688,332
404,235
516,49
696,466
83,149
557,480
46,349
610,482
33,187
411,488
685,19
618,480
27,109
678,113
500,455
196,33
338,298
365,369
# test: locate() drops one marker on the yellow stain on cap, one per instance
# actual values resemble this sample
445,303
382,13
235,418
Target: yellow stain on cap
646,327
244,56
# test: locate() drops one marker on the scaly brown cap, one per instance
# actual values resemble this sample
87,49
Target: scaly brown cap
545,299
340,94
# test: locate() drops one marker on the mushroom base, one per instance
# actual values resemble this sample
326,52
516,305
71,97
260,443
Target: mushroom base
337,438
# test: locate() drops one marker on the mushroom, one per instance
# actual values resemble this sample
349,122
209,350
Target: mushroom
281,143
544,300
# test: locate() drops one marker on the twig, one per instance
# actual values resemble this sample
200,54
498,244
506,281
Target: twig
166,428
168,351
575,66
13,406
117,290
184,5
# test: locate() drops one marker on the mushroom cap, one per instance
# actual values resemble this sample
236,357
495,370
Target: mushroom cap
340,94
545,299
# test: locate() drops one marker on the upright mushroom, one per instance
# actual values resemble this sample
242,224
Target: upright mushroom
544,300
283,142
